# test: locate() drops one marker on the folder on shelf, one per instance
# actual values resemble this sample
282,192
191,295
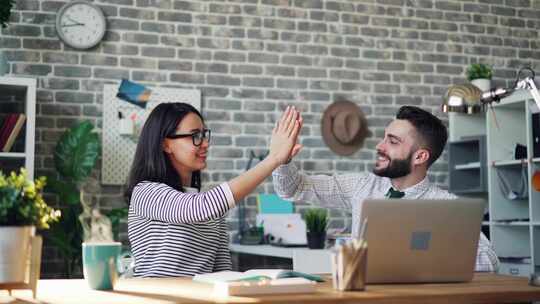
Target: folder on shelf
19,123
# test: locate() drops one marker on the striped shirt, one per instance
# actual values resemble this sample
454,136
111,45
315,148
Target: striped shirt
348,191
178,234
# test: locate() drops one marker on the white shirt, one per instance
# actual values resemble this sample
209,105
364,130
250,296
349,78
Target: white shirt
348,191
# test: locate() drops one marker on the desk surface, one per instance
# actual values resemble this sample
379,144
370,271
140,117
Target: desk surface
485,288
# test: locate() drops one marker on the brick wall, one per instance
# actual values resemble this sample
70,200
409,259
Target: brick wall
251,58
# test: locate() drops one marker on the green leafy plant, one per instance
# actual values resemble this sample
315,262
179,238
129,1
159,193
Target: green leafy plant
478,71
5,11
316,220
75,156
21,202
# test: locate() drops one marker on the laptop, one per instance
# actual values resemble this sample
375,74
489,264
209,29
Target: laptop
421,241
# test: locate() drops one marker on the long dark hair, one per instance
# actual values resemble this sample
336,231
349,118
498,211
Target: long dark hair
151,163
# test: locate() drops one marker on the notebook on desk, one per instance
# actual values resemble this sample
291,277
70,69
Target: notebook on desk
259,281
414,241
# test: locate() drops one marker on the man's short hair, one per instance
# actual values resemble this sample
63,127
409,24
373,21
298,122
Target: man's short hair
432,131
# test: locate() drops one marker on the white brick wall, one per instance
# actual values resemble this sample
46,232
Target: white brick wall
250,58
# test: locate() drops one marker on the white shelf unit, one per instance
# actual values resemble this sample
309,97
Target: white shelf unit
514,229
18,95
467,155
514,224
467,164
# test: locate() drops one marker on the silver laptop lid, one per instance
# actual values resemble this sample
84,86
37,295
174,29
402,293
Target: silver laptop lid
412,241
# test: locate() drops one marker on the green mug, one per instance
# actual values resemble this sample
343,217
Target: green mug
102,264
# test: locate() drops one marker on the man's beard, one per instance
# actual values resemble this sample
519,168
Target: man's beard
396,167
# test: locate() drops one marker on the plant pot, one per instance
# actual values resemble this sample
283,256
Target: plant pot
15,253
482,84
316,240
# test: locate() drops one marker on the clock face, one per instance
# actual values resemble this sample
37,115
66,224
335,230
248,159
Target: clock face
80,24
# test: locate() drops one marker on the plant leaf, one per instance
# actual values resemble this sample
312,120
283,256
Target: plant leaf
5,12
76,152
67,192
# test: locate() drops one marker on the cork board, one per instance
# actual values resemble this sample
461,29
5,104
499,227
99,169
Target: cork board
118,150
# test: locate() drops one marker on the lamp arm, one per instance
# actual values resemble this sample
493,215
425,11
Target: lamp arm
495,94
528,83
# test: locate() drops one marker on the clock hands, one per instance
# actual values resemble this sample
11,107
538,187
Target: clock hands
72,24
75,22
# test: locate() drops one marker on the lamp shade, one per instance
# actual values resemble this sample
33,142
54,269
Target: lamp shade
463,98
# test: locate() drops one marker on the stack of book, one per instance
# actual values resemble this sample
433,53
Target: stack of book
12,125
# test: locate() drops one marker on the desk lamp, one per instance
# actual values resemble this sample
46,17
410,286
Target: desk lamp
467,98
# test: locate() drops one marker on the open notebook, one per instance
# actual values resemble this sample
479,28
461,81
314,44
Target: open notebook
259,281
253,275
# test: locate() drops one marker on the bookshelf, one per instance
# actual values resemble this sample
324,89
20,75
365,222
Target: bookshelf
514,220
18,96
467,165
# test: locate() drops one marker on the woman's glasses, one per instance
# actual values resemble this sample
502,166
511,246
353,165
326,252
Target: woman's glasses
197,136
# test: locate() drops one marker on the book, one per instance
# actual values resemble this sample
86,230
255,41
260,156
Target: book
3,124
19,123
280,286
259,281
254,275
7,127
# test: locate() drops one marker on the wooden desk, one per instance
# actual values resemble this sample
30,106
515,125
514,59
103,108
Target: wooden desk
485,288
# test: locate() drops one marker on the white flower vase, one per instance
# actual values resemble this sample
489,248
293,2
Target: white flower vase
15,253
482,83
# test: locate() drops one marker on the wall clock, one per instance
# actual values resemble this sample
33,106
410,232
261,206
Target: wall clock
80,24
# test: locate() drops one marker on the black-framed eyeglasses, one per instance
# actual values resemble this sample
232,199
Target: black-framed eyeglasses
197,136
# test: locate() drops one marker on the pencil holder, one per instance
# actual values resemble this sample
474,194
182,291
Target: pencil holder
349,266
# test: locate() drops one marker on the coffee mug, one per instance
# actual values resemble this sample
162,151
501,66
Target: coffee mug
102,264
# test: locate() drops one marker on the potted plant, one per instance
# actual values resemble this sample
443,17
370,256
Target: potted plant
22,210
5,12
75,156
480,74
316,223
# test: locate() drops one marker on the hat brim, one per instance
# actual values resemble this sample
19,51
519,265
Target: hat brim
328,136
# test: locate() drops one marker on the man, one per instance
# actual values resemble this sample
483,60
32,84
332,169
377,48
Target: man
411,144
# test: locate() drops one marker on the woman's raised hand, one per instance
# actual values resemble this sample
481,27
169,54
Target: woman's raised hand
284,136
282,147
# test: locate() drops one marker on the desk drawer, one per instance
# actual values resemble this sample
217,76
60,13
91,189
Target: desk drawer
515,269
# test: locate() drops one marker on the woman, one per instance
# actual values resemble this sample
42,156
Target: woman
174,229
